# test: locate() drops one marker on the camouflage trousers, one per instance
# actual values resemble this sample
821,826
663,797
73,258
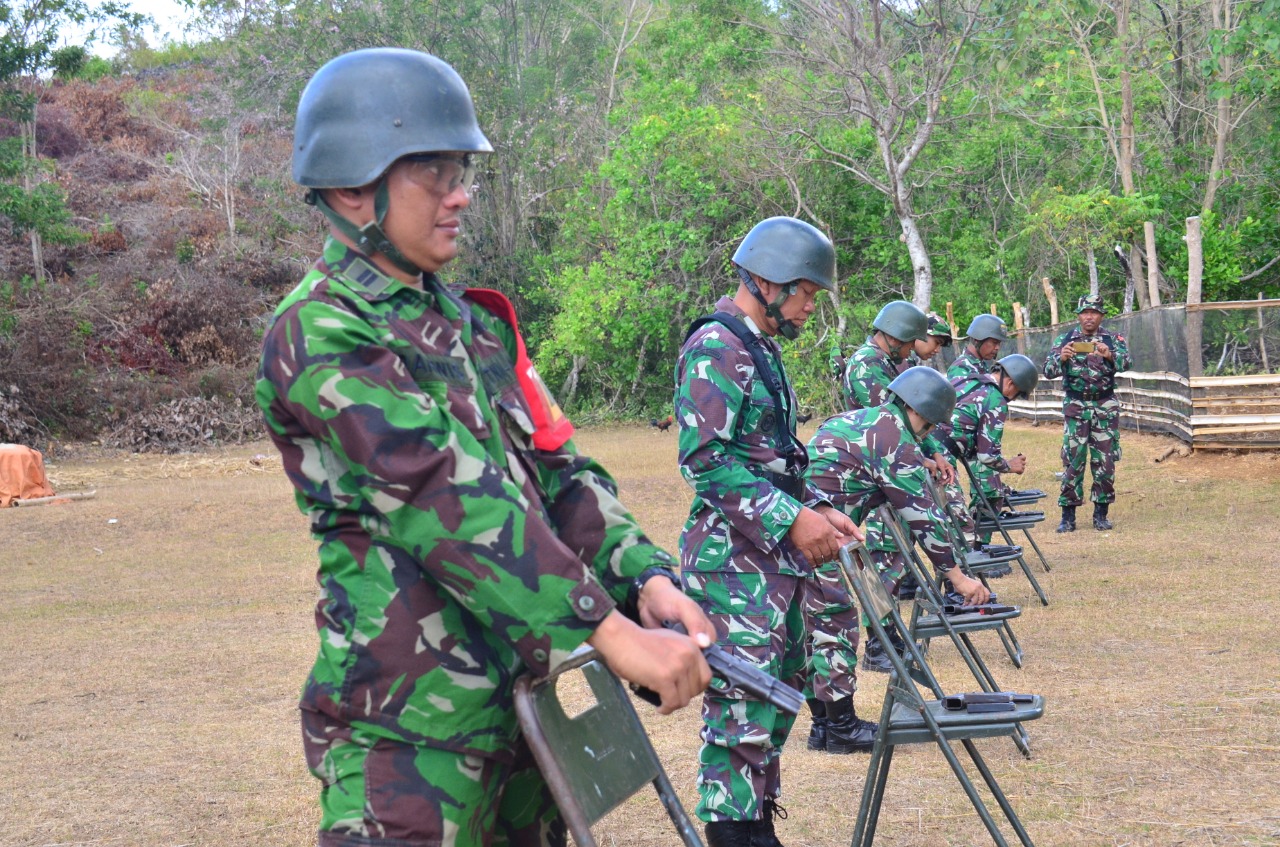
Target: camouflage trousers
382,793
758,618
831,620
988,484
1092,429
961,514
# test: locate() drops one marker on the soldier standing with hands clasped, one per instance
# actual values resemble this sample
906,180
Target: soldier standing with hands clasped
462,538
1088,357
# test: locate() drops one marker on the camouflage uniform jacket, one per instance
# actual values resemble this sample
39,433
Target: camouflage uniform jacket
729,454
977,422
863,458
453,554
967,364
1088,377
866,385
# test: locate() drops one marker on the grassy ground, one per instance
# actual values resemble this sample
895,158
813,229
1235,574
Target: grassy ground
156,637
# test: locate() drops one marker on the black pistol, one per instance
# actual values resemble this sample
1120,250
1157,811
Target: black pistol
951,609
738,674
985,701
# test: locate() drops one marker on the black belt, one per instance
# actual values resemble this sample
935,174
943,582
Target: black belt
1091,395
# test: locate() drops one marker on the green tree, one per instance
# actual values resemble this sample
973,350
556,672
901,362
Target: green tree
34,206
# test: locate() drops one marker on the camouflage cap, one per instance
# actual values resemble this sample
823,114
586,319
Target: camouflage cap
1091,301
939,328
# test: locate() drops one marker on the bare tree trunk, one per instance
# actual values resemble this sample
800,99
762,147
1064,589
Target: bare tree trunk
1093,271
569,390
921,266
1153,266
1125,159
635,382
892,77
27,129
1137,278
1195,318
1221,13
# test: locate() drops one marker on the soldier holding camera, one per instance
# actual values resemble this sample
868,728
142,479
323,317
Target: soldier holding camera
1088,358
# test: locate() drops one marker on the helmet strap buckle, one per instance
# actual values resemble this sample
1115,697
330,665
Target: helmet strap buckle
368,239
773,310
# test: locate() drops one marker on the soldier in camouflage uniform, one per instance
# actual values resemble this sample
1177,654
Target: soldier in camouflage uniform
462,538
937,336
899,326
977,422
1088,357
755,529
986,333
863,458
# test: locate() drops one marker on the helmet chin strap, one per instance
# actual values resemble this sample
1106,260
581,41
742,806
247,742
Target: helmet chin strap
370,238
773,310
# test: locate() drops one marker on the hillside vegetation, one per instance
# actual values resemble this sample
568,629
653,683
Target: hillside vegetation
956,152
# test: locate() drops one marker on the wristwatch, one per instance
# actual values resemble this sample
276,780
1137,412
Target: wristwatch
652,571
633,596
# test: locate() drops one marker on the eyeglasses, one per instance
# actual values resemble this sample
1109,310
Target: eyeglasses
442,174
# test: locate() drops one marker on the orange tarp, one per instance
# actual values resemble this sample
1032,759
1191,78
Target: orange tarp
21,475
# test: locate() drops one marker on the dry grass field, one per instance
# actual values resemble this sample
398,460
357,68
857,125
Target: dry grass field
155,638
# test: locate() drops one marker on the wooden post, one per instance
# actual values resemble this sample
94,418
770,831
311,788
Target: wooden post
1018,327
1052,294
1195,281
1262,338
1153,272
951,318
1139,283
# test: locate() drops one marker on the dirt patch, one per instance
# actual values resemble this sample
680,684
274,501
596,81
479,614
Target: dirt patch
157,635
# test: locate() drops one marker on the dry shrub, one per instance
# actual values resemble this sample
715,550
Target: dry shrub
188,423
135,348
103,116
45,357
261,270
104,165
15,426
57,132
205,323
108,239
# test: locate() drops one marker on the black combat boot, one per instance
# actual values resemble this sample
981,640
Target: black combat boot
1100,521
730,833
873,657
846,732
763,835
818,732
1068,519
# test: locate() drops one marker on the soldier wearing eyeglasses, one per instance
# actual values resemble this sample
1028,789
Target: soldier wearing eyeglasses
462,538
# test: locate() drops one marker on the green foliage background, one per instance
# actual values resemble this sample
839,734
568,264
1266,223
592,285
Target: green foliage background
637,143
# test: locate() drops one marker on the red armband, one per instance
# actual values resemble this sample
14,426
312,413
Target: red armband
551,428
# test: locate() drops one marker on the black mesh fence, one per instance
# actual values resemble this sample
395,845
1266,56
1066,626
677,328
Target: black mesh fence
1239,353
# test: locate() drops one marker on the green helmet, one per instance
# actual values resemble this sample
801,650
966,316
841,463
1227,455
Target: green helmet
1091,301
987,327
902,320
365,109
1021,370
788,250
927,392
